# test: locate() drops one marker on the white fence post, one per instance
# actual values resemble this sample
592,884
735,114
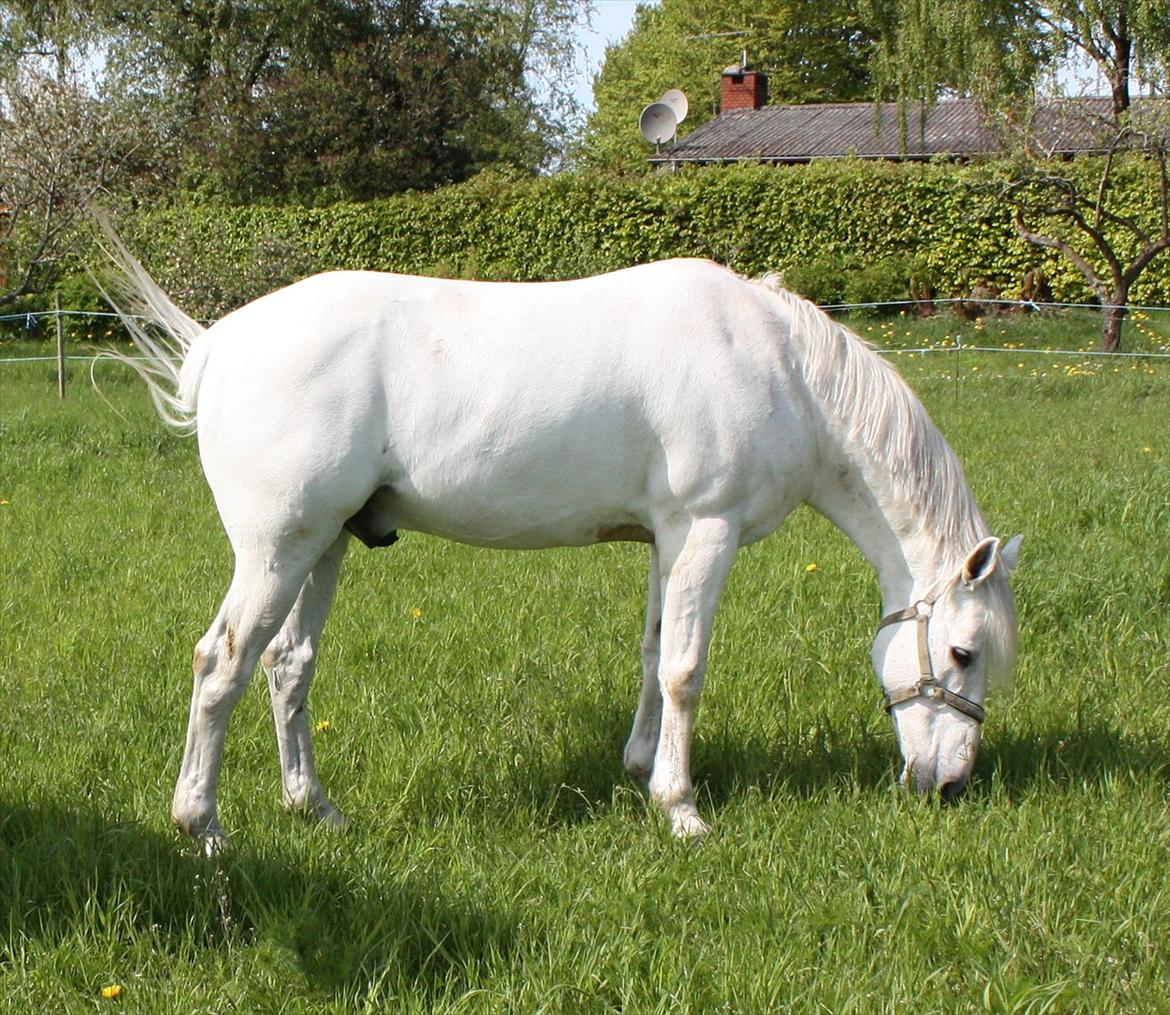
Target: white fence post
60,347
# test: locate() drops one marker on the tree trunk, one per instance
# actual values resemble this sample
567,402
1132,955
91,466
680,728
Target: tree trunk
1111,324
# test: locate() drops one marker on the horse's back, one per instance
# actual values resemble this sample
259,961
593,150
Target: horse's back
492,408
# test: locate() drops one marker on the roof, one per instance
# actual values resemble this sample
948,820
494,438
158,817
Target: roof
953,128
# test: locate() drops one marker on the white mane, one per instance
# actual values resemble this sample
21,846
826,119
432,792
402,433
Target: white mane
877,410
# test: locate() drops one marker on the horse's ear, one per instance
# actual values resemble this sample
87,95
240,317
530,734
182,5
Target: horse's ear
980,563
1010,554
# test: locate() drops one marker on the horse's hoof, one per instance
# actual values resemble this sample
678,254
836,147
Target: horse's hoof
331,817
319,810
199,826
689,826
215,845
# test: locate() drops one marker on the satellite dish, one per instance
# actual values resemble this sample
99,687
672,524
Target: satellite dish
678,102
657,122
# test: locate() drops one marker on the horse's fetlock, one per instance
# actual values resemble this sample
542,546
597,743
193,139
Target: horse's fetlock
298,800
195,818
638,757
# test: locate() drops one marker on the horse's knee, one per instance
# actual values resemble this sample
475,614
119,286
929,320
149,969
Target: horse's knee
682,684
220,644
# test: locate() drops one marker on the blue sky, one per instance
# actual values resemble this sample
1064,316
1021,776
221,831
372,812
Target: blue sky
615,18
611,23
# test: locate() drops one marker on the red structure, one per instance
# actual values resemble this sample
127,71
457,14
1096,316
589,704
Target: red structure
743,88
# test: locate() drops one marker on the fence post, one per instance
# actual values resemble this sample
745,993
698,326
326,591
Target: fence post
958,350
60,348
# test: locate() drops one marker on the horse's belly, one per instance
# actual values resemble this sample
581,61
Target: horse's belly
533,506
622,485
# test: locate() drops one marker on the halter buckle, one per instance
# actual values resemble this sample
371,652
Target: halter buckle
928,686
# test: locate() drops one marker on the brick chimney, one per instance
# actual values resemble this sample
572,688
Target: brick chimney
743,88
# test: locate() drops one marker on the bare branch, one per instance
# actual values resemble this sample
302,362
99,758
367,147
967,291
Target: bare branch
59,148
1065,248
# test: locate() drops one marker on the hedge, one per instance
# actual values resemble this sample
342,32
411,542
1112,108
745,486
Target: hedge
834,230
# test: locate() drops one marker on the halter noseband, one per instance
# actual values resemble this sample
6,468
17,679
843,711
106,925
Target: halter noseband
927,686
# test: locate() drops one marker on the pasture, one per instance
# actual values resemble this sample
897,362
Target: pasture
471,709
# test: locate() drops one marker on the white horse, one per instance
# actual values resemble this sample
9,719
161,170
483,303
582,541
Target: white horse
673,404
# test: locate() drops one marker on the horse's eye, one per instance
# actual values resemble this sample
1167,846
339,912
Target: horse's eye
963,657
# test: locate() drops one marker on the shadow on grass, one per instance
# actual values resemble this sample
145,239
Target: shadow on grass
1089,753
582,780
862,755
71,874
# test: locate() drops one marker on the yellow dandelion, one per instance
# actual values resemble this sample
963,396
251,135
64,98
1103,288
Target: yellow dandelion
416,614
1146,451
323,725
112,991
810,568
3,503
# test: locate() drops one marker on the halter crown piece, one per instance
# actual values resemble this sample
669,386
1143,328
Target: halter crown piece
928,685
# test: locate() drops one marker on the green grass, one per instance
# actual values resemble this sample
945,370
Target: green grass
496,858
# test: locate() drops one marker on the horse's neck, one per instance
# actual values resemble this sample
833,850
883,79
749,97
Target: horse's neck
886,530
888,479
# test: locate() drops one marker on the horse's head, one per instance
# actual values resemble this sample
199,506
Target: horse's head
935,660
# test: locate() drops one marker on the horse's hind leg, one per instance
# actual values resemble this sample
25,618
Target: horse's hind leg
263,589
643,741
289,662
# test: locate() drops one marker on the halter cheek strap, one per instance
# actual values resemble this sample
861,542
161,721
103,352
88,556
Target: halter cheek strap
927,686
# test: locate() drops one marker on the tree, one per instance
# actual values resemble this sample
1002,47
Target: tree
534,48
59,149
306,100
810,52
316,100
1007,53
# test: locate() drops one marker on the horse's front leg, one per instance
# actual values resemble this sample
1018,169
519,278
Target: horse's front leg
290,661
695,564
643,741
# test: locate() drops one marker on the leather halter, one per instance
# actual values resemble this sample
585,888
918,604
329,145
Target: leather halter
928,685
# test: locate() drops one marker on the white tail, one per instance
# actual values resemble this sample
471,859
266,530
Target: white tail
163,334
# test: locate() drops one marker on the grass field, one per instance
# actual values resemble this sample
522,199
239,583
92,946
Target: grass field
472,707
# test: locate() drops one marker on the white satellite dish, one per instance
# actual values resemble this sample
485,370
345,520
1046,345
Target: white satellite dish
678,102
658,123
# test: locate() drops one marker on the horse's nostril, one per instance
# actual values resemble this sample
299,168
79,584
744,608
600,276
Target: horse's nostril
951,791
